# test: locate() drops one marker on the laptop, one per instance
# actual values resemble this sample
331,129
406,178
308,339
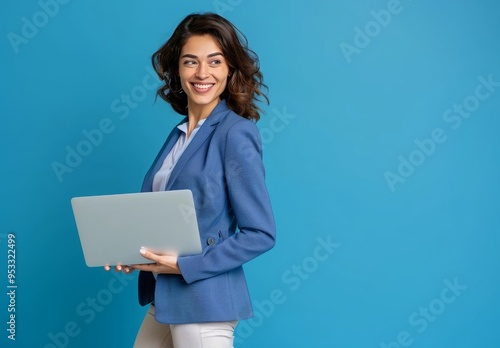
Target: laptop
112,228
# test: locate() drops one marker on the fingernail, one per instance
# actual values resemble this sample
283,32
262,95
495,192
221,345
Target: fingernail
142,250
119,267
127,270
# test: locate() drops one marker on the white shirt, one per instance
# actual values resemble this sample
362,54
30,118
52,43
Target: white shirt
161,177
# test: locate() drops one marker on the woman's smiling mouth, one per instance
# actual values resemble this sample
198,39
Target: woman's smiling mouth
202,87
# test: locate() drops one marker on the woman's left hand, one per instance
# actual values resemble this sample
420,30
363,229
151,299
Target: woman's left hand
163,263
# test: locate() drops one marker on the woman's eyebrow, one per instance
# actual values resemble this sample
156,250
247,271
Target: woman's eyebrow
188,55
214,54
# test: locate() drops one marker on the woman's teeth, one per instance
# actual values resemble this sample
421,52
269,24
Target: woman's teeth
202,86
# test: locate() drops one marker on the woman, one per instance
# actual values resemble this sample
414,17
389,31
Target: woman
213,78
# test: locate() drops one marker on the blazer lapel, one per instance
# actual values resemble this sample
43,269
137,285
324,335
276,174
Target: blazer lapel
203,133
169,143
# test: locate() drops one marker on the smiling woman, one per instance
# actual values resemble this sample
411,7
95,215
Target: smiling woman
244,79
203,74
212,77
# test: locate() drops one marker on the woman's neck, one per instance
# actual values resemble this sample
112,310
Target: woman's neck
197,112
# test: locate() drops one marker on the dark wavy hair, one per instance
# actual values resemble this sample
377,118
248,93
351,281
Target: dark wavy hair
245,81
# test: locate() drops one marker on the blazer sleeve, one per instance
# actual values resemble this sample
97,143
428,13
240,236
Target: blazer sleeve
249,199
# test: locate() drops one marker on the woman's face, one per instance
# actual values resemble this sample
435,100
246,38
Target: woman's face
203,71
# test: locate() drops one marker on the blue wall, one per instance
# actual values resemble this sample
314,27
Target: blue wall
381,149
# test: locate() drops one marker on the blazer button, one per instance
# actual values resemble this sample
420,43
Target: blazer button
211,241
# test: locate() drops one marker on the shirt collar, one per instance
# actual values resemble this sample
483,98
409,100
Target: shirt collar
183,126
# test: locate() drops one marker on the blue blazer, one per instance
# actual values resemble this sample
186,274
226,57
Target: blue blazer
223,168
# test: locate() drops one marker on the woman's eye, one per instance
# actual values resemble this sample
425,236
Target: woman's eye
215,62
189,62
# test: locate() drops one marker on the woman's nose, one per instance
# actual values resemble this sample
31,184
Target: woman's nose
202,71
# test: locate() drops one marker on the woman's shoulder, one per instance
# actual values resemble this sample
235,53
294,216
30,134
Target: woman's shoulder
239,130
233,121
234,128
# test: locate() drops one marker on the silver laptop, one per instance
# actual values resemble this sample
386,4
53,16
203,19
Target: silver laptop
112,228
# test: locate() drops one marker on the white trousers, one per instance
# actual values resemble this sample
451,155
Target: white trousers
153,334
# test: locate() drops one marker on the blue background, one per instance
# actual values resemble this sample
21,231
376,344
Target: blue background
337,124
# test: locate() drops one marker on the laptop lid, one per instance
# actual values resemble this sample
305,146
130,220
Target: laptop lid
112,228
